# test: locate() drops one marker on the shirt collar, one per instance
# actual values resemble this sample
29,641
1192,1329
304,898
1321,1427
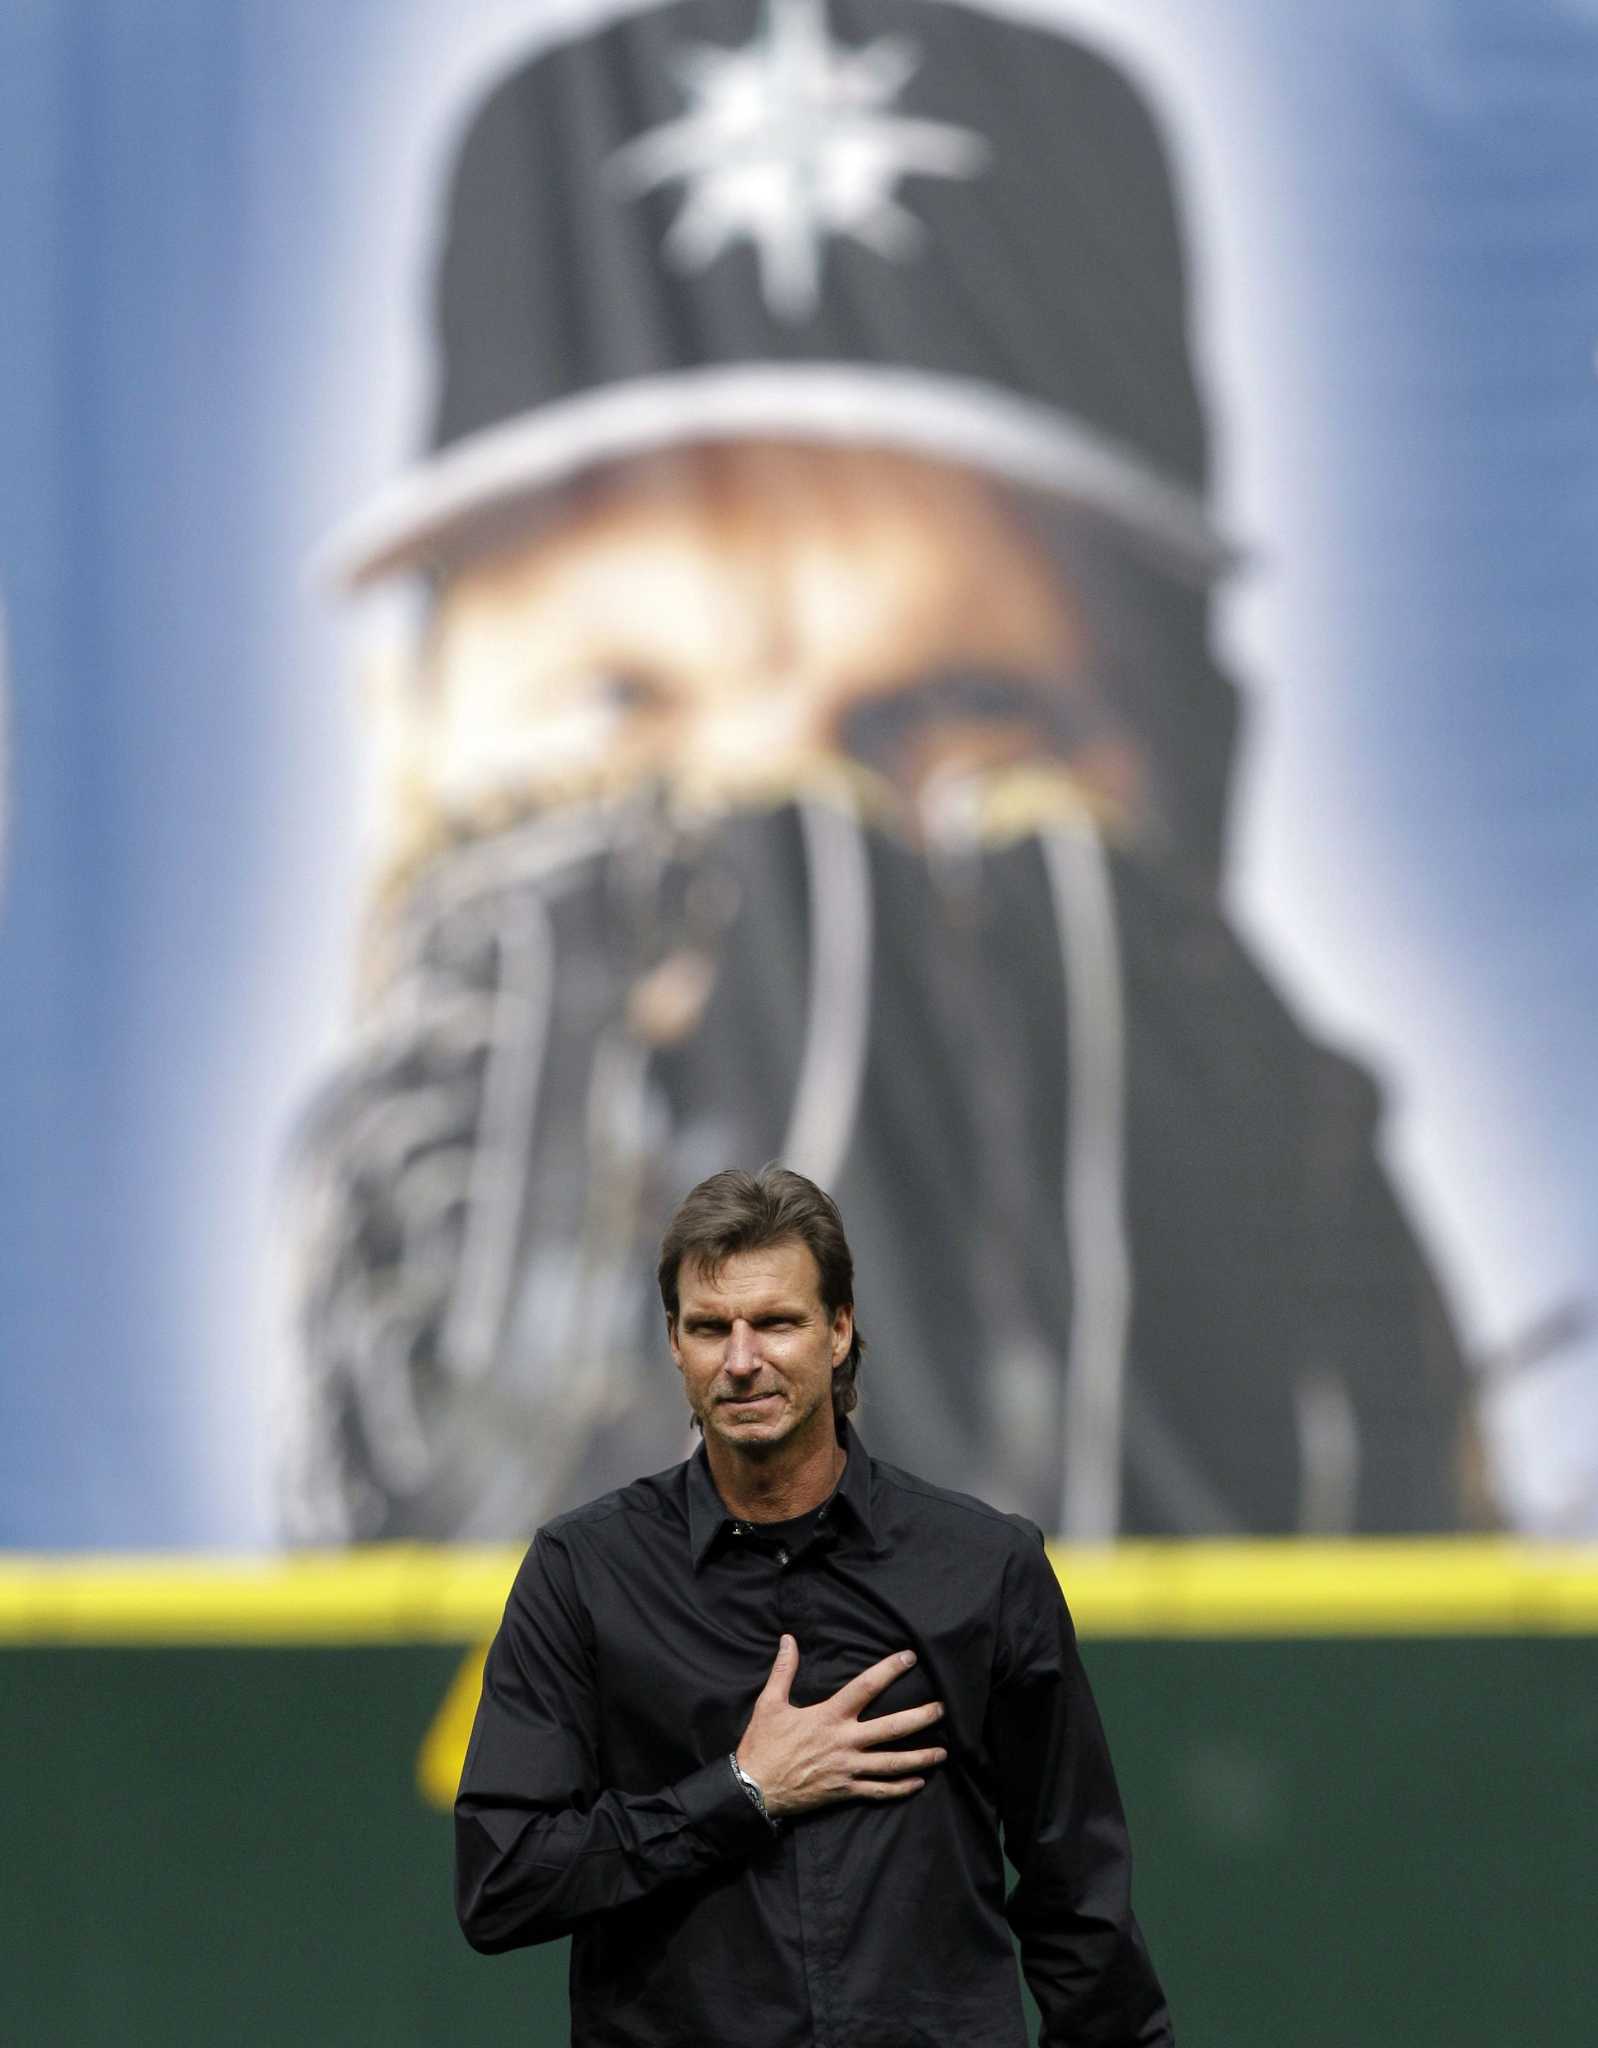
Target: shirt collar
708,1516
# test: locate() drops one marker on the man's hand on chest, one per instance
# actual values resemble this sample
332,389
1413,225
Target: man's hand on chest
804,1757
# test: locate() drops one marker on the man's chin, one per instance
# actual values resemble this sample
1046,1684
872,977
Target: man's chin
752,1428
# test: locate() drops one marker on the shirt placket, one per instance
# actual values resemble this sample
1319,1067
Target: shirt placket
815,1873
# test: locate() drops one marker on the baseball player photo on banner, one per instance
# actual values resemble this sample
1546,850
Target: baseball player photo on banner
985,603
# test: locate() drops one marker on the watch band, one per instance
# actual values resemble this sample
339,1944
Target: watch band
753,1790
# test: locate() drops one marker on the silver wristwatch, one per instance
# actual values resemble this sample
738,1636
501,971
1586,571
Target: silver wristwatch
753,1790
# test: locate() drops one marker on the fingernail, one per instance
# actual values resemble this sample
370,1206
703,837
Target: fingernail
907,1657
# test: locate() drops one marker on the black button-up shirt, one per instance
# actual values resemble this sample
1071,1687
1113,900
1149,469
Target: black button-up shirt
598,1799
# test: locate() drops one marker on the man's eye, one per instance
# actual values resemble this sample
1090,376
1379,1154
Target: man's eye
879,726
631,690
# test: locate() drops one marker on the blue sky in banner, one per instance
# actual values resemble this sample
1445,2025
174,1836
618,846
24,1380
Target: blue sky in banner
213,226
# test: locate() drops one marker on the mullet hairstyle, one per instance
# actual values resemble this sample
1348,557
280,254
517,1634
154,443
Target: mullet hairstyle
735,1212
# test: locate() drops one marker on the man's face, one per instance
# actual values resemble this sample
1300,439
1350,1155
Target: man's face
742,624
756,1347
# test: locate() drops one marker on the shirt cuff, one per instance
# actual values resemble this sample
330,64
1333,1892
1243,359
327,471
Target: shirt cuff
717,1807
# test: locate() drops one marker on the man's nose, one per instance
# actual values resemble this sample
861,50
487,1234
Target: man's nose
742,1348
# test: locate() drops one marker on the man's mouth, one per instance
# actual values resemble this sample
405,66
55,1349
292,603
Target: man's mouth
746,1400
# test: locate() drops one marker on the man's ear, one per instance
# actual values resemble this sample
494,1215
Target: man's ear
842,1334
671,1339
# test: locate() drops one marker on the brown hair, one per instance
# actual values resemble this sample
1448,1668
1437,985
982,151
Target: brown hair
734,1212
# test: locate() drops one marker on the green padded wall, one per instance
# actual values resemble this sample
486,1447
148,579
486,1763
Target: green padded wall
1341,1844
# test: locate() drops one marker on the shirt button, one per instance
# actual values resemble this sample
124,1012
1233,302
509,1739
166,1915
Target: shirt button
782,1556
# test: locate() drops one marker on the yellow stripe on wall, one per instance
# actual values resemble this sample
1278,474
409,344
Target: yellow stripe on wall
1450,1586
386,1594
394,1594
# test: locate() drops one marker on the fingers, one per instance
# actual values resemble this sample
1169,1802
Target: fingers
889,1727
887,1788
780,1682
862,1690
895,1763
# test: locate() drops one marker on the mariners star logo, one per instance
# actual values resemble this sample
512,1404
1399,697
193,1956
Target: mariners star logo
788,140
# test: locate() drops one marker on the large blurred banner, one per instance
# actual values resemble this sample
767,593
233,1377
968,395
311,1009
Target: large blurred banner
993,601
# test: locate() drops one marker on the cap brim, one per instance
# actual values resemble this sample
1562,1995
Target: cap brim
429,513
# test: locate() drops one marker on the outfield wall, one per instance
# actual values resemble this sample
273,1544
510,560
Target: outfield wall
1361,1785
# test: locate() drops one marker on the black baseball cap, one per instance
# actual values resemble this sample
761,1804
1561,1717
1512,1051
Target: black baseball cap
904,223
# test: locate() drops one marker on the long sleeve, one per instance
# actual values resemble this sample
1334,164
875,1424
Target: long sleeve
540,1844
1082,1951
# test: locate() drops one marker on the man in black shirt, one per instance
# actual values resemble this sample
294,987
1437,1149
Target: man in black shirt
759,1731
